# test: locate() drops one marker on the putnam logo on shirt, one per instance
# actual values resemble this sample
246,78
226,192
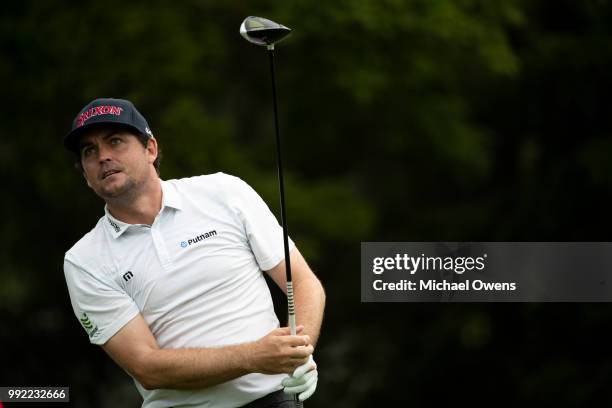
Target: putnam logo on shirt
195,240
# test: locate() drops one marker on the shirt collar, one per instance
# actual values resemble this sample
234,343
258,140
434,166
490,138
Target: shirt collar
115,226
170,198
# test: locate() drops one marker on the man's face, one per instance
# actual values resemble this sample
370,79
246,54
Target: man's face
115,163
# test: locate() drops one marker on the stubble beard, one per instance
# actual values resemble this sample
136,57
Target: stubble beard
124,193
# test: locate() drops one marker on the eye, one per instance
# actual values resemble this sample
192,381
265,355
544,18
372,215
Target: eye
115,140
87,151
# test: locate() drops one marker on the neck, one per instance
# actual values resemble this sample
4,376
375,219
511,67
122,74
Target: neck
140,208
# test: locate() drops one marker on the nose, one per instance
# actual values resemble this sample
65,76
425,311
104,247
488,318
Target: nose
104,153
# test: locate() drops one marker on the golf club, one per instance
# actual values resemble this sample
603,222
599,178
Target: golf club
264,32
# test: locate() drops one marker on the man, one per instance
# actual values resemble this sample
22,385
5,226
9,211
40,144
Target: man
169,282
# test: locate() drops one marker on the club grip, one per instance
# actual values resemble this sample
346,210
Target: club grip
291,308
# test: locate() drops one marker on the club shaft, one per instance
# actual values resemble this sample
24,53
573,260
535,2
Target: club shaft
281,182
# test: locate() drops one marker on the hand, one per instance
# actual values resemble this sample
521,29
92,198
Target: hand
303,381
280,352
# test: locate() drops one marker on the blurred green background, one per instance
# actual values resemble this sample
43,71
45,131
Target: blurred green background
425,120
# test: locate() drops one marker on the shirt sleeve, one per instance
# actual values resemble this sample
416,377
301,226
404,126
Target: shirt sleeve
264,233
101,306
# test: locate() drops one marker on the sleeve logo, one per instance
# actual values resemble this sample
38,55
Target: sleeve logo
88,325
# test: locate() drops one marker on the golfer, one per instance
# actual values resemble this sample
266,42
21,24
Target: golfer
169,282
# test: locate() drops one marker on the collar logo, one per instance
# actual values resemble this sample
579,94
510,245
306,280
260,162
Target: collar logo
98,110
113,224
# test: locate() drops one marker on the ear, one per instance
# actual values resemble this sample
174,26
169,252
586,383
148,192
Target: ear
152,149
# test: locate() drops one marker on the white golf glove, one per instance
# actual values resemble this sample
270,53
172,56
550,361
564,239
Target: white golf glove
303,381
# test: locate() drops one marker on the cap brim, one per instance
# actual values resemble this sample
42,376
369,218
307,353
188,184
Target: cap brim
71,140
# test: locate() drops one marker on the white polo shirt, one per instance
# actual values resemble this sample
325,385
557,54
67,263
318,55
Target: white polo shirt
195,275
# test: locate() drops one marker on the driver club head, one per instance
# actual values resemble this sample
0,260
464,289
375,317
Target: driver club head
262,31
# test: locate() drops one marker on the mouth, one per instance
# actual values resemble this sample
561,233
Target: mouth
109,173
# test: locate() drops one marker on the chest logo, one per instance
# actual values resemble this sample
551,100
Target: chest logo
195,240
128,275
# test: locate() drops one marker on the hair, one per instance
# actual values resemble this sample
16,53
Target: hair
142,138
